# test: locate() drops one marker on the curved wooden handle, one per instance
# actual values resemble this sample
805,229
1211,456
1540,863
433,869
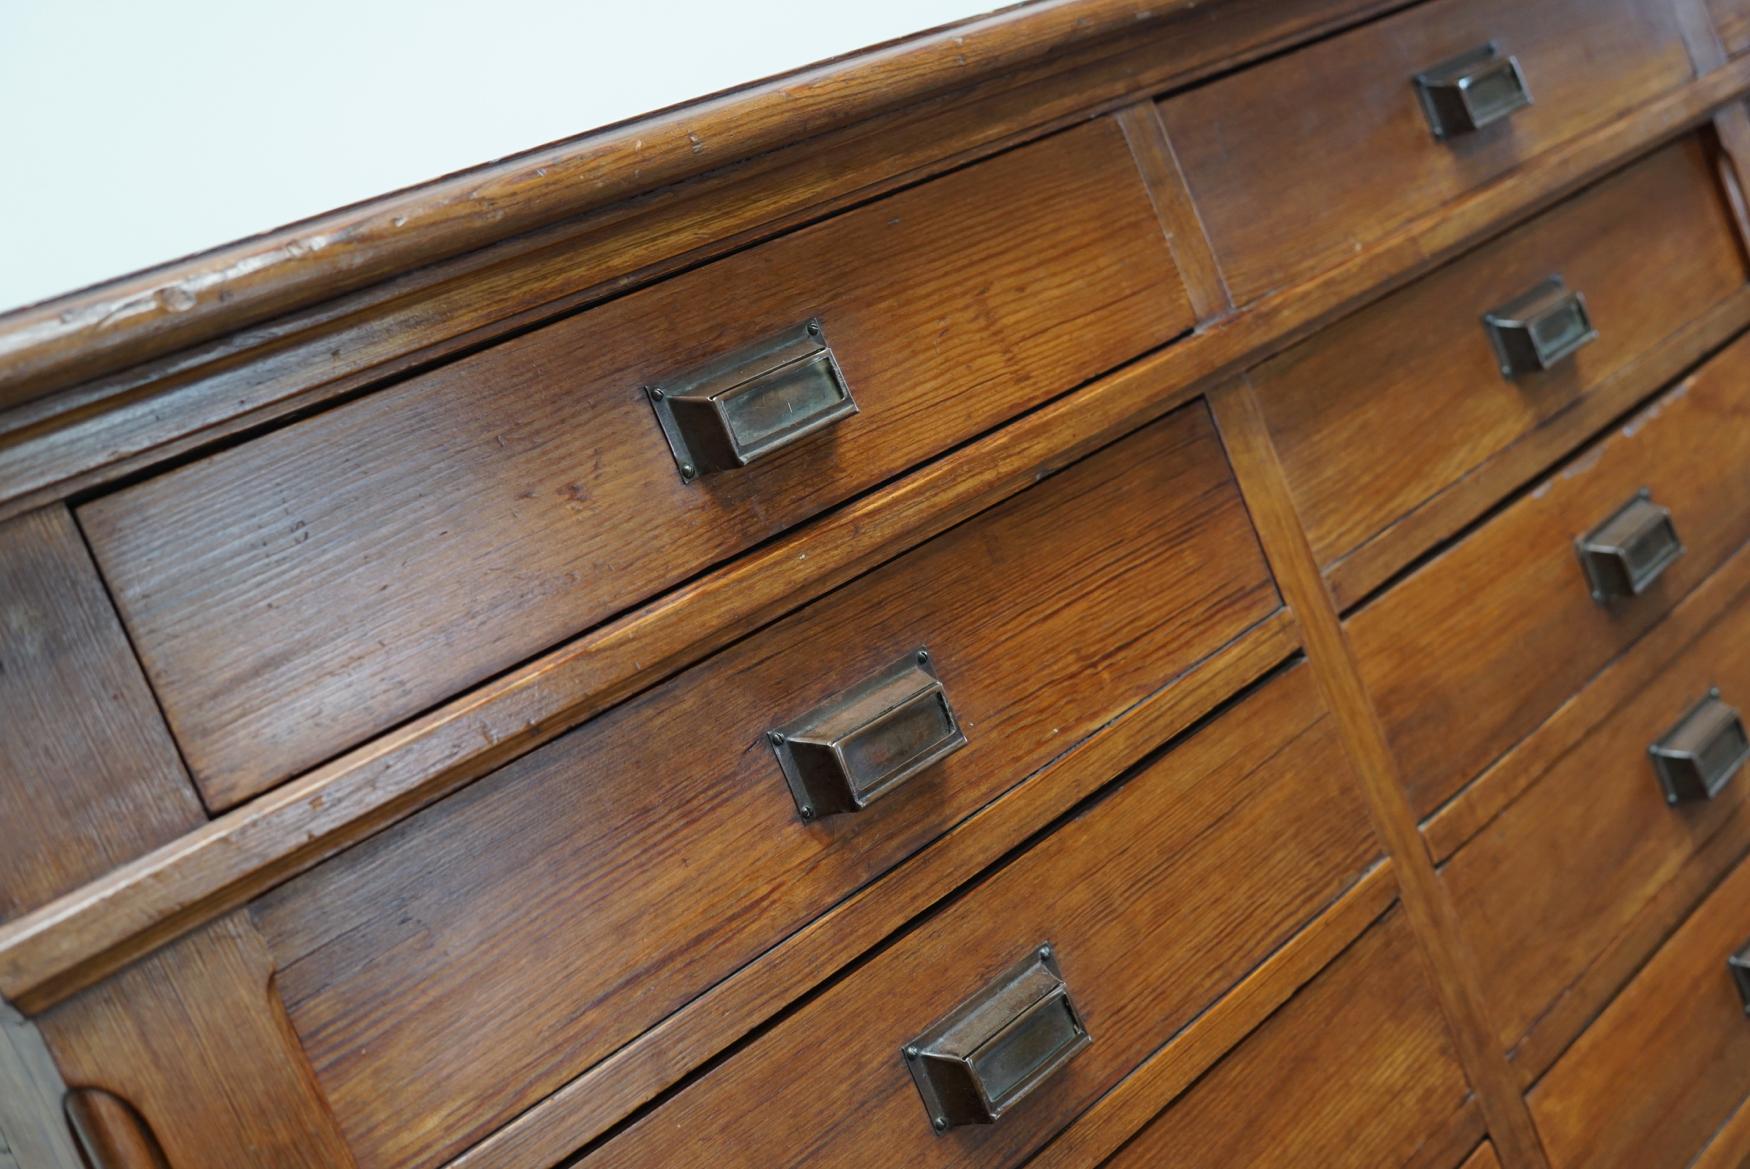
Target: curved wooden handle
111,1135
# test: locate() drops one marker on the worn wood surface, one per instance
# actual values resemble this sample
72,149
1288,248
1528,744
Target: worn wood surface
1332,659
1377,416
233,288
1115,1117
1730,1148
1148,905
1338,126
245,378
1578,860
305,591
1356,1071
207,873
88,775
1511,601
407,982
1668,1063
1178,214
588,1106
194,1041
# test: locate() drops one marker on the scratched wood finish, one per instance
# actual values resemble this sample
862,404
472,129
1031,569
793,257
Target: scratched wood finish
89,778
1511,601
1350,411
299,593
193,1041
407,980
1651,1082
1156,899
1376,165
1732,21
1356,1071
1580,858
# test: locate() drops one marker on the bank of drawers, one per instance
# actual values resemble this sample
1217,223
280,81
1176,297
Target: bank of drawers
298,593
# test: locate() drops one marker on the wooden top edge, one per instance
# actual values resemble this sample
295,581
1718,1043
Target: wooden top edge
104,328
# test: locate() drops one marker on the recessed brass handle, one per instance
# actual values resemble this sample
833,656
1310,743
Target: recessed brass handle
991,1051
1697,758
1470,91
1539,328
849,752
751,402
1739,965
1625,554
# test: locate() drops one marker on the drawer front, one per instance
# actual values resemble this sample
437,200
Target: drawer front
1358,1069
1377,415
1653,1079
474,957
1567,868
1339,126
1476,648
1155,900
295,595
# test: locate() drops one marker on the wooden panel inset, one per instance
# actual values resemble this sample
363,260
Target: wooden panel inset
299,593
1156,899
89,778
1337,127
1476,648
653,851
194,1041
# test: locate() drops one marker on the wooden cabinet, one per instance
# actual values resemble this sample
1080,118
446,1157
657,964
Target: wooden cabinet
1091,588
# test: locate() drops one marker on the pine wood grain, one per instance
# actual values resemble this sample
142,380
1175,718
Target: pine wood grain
1668,1063
1350,411
300,593
588,1106
1332,659
1511,601
1483,1158
89,778
1356,1071
1377,165
1146,906
406,978
194,1041
1118,1115
1579,858
48,955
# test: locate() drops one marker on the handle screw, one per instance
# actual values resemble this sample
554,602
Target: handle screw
688,470
941,1123
807,811
911,1052
776,738
923,656
655,393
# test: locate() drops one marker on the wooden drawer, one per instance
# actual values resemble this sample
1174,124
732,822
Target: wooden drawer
1358,1069
1155,899
654,850
1375,417
1592,861
1339,127
300,593
1476,648
1648,1084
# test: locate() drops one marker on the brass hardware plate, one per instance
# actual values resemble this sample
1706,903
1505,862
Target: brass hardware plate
992,1051
1539,329
848,752
1471,91
1625,554
749,403
1698,757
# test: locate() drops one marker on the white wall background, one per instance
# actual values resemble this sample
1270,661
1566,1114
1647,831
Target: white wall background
132,132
